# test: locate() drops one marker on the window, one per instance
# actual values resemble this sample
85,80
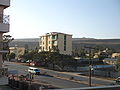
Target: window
64,47
40,47
65,42
53,42
53,36
57,36
49,47
65,37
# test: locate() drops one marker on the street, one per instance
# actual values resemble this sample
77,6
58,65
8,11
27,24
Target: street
57,82
63,80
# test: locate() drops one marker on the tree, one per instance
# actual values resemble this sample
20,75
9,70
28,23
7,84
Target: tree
103,55
83,53
117,67
11,56
75,52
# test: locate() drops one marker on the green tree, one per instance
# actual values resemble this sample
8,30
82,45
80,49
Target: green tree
117,67
11,56
83,53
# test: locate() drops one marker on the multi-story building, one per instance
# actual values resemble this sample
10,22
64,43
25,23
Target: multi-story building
4,25
56,41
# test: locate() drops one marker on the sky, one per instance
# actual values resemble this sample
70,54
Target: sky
82,18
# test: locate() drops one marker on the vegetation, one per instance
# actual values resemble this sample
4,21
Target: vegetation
79,52
50,59
11,56
53,58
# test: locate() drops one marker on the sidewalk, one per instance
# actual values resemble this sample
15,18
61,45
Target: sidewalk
3,80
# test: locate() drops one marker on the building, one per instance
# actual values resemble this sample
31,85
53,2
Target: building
115,55
17,50
110,60
4,25
56,41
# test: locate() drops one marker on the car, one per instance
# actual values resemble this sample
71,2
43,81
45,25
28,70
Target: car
34,70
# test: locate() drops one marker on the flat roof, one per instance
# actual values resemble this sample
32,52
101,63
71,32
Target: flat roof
33,68
54,33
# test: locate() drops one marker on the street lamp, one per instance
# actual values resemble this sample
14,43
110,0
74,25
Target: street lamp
90,66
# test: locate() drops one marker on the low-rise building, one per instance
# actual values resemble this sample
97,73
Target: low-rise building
114,55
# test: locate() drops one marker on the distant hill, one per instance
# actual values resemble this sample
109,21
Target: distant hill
77,42
110,43
32,43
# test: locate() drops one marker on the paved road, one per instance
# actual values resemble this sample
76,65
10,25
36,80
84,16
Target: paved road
61,83
83,80
95,81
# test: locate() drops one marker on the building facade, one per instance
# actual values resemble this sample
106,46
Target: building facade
4,25
56,41
115,55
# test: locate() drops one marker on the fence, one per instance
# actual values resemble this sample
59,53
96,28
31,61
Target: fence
106,73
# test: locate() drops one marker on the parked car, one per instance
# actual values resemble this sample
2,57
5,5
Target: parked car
35,64
34,70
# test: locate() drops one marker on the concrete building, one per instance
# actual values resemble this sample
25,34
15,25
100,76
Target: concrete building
56,41
115,55
4,25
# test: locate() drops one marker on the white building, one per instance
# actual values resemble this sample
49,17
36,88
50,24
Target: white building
56,40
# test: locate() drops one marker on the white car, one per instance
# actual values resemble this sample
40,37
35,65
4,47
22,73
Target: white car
34,70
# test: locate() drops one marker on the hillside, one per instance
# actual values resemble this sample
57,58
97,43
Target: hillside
77,42
110,43
32,43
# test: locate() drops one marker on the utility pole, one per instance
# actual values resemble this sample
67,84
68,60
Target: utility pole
90,65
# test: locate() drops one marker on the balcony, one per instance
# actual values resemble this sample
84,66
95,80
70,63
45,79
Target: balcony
54,43
4,23
54,37
5,3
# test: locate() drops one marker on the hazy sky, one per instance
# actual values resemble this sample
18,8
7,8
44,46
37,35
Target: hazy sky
81,18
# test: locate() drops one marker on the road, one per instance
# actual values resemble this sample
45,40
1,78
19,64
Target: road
82,79
63,81
57,82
